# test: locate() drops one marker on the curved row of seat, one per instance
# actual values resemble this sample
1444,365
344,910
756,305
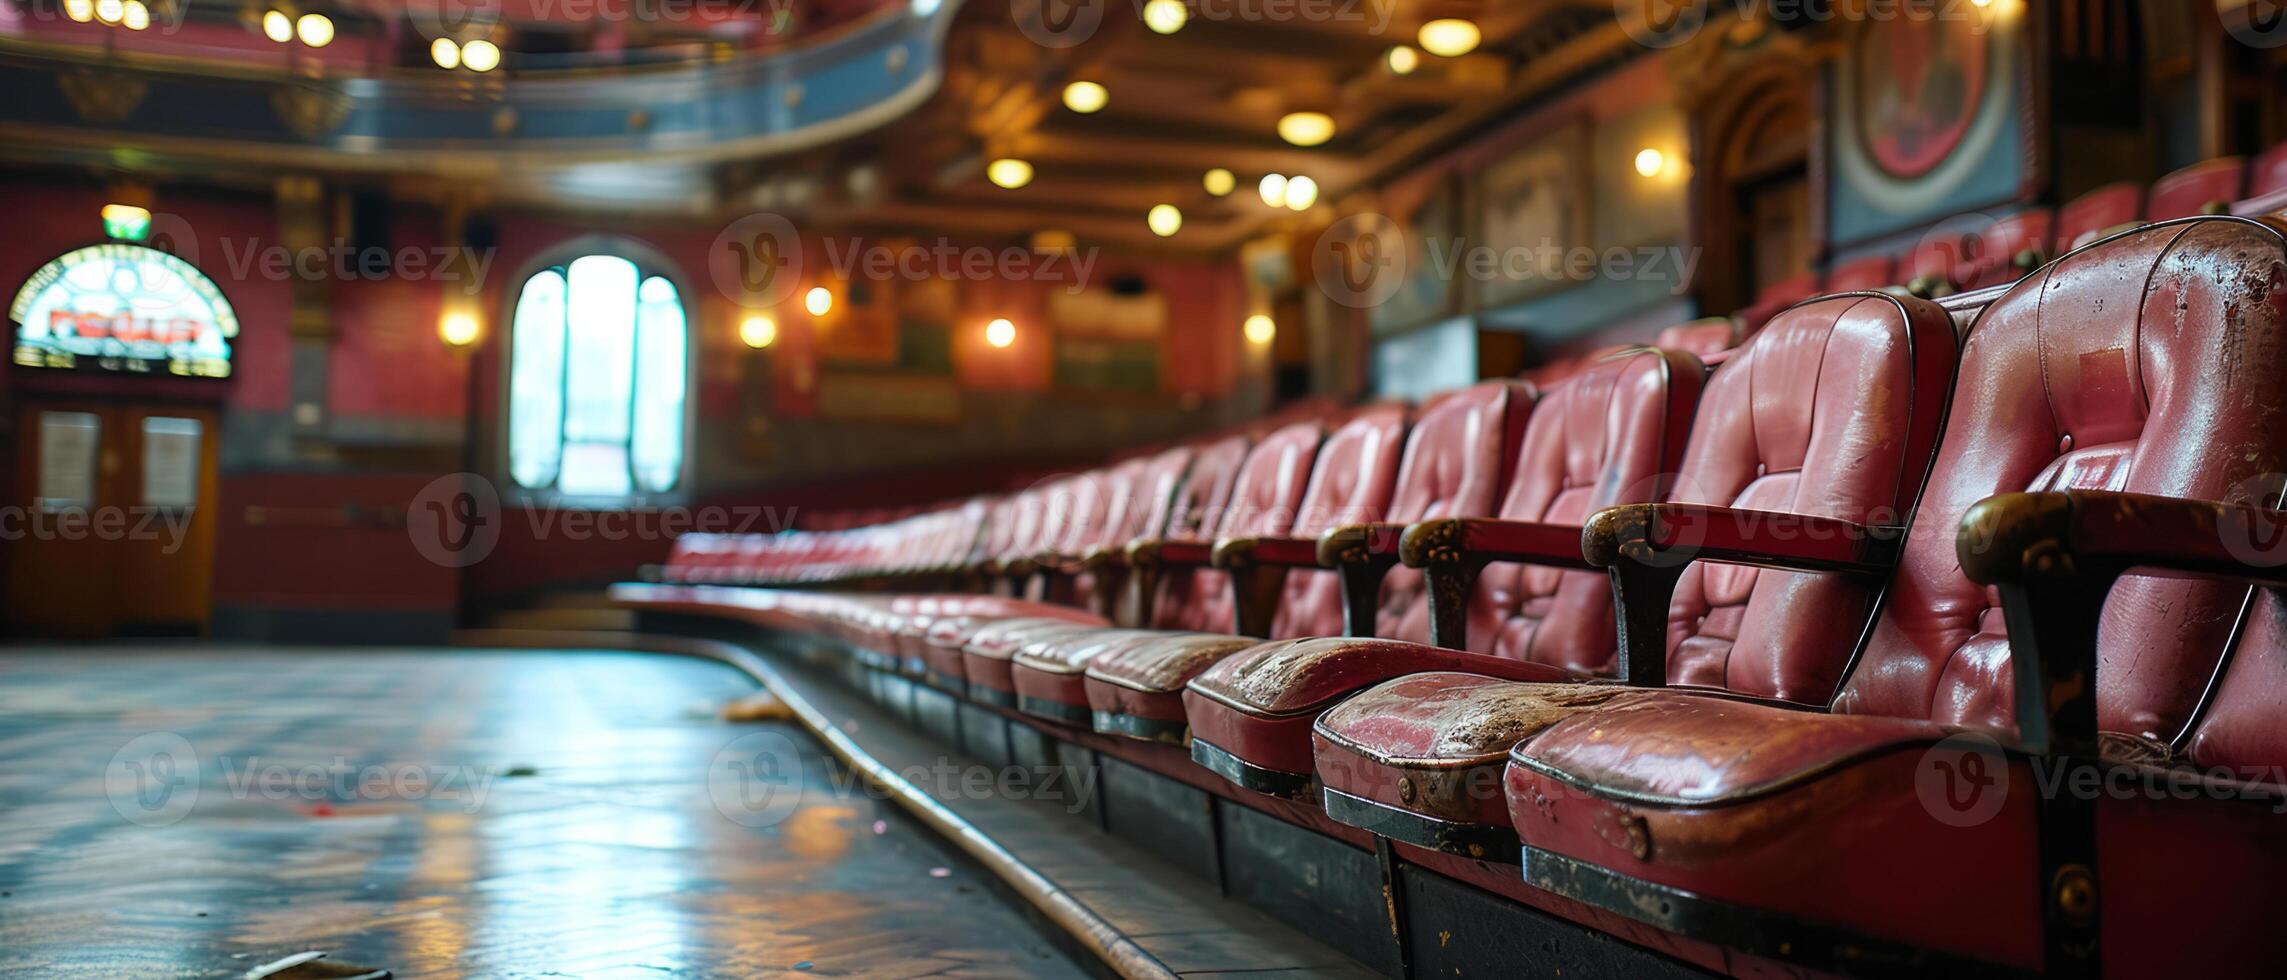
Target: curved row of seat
1807,658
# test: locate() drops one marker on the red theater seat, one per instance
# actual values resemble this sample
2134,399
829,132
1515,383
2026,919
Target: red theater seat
1608,435
2207,187
2005,251
2107,209
2147,365
1872,272
1775,297
1711,339
1824,423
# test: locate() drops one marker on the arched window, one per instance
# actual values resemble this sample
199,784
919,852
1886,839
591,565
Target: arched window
597,371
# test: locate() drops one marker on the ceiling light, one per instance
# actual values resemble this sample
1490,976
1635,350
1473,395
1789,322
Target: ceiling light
1164,220
1085,97
1403,60
1220,182
1301,193
1649,161
80,10
1000,332
277,26
136,16
109,11
1273,189
445,53
758,331
1009,172
480,55
458,328
1260,330
1451,37
1165,16
1306,128
315,30
819,301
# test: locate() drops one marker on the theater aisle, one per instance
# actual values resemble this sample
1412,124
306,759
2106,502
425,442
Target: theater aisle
200,812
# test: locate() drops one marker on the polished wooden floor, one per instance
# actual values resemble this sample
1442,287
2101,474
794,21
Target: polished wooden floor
196,812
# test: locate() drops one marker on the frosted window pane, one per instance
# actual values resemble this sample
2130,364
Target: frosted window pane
536,382
600,378
594,469
659,381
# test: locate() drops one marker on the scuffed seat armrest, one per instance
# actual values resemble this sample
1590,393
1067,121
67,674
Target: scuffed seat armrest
1145,558
1460,540
1364,554
1285,552
1452,551
1646,547
2055,556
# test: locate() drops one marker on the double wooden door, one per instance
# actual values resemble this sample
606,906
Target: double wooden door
112,528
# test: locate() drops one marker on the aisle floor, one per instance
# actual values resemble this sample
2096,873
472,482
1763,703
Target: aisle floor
197,812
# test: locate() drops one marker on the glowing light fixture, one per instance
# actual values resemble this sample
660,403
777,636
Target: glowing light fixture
109,11
446,53
1165,16
480,55
1053,240
1009,172
1301,193
1450,37
1000,333
819,301
1650,161
1220,182
1403,60
135,16
315,30
458,328
1164,220
1306,128
1273,189
1085,97
126,222
80,10
1260,330
758,331
277,26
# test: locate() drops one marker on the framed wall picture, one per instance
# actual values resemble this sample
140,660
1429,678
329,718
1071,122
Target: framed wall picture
1537,205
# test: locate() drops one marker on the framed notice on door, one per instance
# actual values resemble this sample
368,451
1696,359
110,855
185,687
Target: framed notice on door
170,462
69,445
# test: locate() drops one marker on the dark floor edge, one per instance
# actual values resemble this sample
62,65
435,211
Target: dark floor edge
1119,953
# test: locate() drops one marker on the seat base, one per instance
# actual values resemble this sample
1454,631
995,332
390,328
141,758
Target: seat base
1481,842
1138,726
1056,711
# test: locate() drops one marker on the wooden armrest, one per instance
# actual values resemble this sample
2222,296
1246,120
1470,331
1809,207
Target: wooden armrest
1288,552
1360,544
1461,540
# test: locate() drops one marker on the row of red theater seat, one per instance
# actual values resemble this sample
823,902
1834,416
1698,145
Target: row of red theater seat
1972,252
1659,631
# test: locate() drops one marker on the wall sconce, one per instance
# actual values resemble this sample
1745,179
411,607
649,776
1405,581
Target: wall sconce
758,331
1000,333
458,328
1261,330
819,301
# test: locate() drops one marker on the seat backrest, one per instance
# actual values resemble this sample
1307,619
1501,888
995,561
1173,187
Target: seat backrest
1612,434
1832,410
1198,502
1457,459
2148,363
2206,187
1264,498
1775,297
2268,175
1991,259
1707,338
1082,508
2090,215
1352,480
1150,495
1871,272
